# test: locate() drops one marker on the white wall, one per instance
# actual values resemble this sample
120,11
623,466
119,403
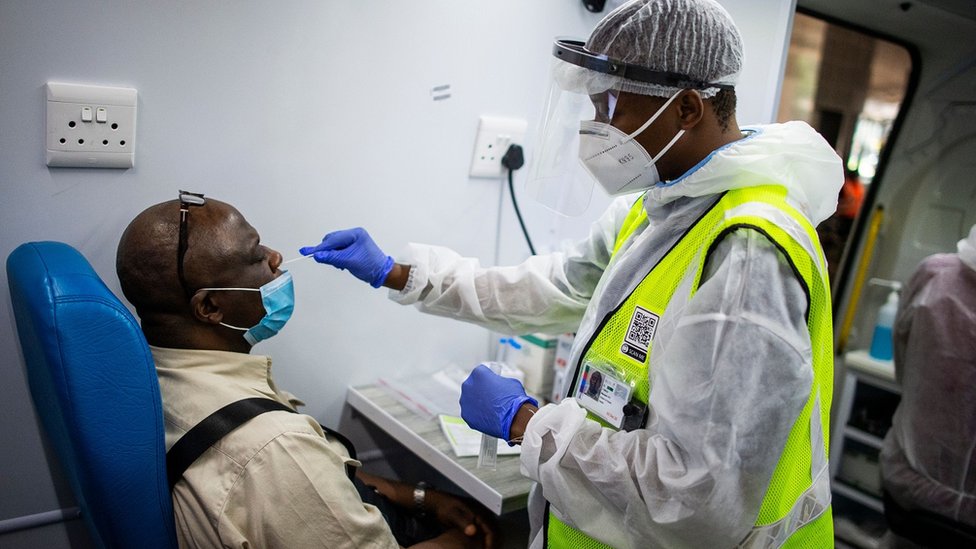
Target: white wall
309,116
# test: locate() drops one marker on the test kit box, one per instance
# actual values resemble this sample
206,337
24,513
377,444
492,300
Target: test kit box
535,358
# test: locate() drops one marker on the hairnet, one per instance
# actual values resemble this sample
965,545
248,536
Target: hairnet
695,38
967,248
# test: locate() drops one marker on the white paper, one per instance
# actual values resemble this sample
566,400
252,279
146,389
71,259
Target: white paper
429,394
465,441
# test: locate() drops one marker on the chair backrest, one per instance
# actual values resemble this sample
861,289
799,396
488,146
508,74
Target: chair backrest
94,386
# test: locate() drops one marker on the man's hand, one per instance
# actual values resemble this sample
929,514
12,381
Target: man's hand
453,512
472,525
450,539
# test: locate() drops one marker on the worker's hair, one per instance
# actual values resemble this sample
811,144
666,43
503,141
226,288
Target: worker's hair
724,106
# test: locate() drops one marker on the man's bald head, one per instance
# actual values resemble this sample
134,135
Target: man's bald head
146,261
222,251
147,272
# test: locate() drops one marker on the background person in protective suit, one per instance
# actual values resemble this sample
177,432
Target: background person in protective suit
703,300
928,462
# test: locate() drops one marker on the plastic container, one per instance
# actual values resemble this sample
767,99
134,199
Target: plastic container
488,456
882,341
534,354
560,366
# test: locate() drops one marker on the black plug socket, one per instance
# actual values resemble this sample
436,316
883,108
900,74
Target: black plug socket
513,158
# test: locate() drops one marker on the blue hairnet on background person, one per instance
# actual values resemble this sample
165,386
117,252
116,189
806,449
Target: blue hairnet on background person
928,461
700,298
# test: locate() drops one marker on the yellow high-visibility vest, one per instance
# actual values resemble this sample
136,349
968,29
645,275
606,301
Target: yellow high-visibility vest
795,510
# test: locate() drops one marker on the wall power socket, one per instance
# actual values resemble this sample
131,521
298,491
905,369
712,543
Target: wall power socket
90,126
494,136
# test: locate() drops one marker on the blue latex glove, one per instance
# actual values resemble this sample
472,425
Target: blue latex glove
353,249
489,402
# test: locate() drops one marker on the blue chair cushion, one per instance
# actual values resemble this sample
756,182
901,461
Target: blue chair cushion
94,386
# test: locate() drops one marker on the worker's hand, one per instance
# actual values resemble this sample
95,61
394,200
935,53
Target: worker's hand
454,512
489,402
353,249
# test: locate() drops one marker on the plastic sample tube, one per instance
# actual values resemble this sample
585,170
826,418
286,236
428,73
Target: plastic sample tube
488,456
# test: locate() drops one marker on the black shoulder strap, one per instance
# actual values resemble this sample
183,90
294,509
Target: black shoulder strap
205,434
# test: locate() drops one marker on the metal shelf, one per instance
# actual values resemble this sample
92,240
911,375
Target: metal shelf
502,490
880,373
857,495
863,437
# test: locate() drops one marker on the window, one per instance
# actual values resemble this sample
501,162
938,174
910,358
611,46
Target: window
849,86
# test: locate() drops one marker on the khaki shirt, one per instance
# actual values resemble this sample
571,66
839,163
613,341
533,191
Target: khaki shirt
278,481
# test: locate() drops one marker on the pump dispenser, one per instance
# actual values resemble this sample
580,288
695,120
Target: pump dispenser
882,341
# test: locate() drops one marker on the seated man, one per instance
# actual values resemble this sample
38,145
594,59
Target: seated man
206,290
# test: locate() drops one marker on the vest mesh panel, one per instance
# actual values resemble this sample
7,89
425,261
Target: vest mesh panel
793,473
813,535
562,536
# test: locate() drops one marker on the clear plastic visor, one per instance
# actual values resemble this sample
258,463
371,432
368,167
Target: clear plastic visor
556,179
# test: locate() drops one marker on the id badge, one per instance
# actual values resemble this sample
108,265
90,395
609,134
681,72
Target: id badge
603,394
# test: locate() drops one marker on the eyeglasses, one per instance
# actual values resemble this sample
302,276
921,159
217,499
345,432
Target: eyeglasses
187,199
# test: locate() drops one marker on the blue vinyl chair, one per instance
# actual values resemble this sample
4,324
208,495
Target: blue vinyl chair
94,386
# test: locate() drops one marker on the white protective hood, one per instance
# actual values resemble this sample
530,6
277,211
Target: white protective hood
791,154
967,249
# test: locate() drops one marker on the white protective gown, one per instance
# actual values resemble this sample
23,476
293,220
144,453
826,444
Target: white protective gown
929,457
730,368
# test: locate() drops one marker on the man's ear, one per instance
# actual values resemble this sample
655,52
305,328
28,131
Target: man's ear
691,109
205,308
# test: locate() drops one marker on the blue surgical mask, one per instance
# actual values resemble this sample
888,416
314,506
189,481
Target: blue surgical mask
278,298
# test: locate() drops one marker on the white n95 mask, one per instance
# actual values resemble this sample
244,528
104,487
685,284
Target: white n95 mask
616,160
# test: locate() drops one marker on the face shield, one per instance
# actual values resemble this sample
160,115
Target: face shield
583,93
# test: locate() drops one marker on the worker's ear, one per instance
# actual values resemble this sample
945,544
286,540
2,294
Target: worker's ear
206,307
691,109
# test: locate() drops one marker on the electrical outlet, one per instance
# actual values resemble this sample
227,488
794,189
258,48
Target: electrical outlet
90,126
494,136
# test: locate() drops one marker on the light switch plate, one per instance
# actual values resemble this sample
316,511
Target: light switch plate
90,143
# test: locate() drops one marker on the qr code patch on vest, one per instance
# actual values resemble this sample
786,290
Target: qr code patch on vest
641,329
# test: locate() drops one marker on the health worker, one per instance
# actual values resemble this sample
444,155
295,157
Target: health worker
928,477
697,415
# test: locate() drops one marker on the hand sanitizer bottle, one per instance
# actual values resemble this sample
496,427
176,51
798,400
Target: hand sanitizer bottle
882,342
